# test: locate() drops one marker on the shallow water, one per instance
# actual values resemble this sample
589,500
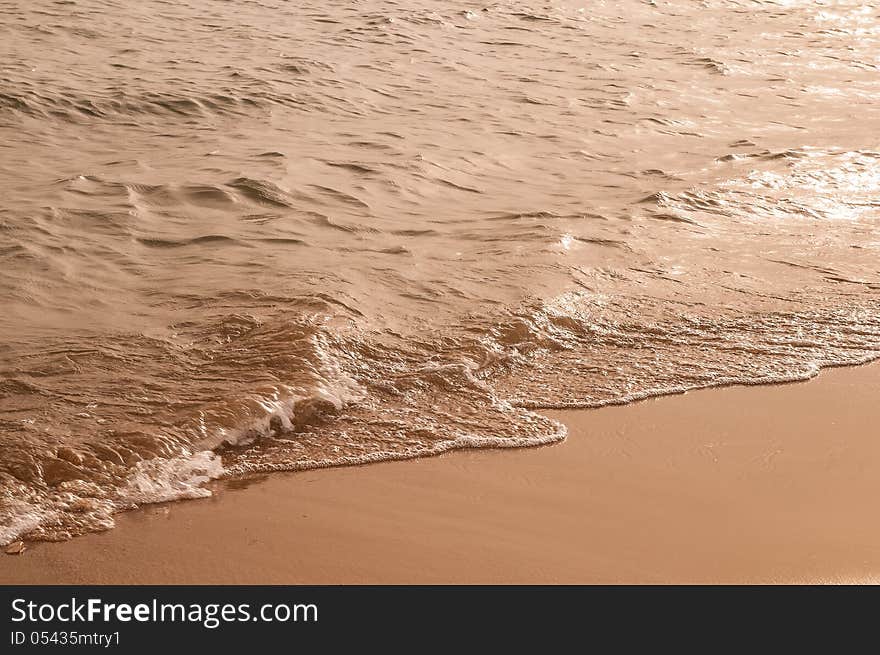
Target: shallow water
260,235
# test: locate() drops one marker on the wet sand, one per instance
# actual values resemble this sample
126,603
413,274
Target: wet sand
742,484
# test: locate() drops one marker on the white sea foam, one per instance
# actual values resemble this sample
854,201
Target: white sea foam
159,480
21,518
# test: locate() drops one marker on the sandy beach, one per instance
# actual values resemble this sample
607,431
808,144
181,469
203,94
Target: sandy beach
240,238
734,485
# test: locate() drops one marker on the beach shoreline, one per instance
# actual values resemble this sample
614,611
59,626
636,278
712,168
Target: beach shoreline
746,484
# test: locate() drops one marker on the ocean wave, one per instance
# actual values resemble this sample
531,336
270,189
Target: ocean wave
364,398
